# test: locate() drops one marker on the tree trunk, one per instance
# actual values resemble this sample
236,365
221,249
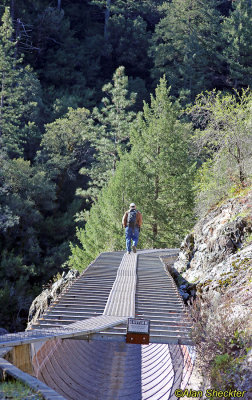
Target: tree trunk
242,176
1,104
12,11
114,165
241,172
107,15
156,195
17,38
59,5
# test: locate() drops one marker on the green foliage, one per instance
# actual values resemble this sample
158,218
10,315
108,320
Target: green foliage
138,86
223,340
66,144
224,141
55,233
157,175
16,289
221,361
66,147
130,7
16,390
185,46
126,34
19,93
25,194
103,230
27,188
62,58
49,152
237,33
163,170
221,366
110,131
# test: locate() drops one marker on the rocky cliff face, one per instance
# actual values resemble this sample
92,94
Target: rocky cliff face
43,301
215,264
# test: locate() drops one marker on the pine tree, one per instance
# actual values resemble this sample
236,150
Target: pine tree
163,170
111,131
19,93
186,46
157,175
237,33
127,26
148,9
67,66
128,44
26,195
103,230
66,144
65,149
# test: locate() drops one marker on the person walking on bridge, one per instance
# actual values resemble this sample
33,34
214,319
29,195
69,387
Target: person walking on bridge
132,222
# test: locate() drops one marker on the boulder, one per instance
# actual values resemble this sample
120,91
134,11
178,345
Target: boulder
215,263
220,234
43,301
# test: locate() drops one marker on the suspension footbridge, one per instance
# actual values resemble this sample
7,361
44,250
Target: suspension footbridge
78,347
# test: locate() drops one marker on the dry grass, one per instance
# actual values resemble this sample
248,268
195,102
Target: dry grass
222,339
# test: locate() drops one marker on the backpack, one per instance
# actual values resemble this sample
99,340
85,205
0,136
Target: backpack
131,221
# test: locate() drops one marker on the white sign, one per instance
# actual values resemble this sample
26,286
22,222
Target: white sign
138,325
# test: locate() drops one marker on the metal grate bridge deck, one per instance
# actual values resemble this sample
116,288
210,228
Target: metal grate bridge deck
96,308
114,287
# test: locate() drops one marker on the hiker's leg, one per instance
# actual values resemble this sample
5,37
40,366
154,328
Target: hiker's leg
128,234
135,236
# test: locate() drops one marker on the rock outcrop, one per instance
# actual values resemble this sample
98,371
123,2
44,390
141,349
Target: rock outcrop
218,248
43,301
215,264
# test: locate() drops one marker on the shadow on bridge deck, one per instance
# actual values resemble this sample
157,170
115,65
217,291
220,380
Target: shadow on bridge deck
102,366
99,370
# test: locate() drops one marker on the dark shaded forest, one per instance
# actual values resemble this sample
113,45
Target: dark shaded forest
104,102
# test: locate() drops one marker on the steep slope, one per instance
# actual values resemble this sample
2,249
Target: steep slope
215,263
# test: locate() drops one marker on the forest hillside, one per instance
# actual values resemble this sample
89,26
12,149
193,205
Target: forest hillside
107,102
